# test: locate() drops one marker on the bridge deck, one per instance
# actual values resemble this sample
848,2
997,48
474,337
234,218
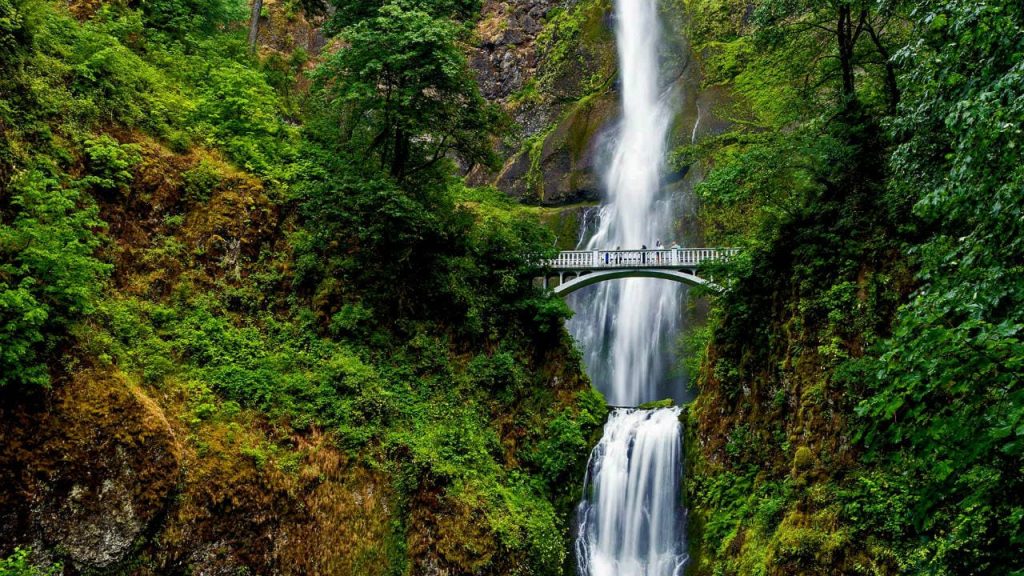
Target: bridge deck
583,260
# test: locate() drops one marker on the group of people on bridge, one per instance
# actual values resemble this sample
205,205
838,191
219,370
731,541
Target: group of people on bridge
659,249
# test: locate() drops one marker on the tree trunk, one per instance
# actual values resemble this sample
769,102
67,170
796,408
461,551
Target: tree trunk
845,37
892,89
401,154
254,23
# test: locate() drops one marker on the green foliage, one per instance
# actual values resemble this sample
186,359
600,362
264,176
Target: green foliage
111,83
76,79
12,29
365,236
392,311
946,390
199,183
74,76
413,406
568,435
349,13
64,83
187,21
18,564
109,164
49,276
844,45
407,95
822,345
239,113
760,180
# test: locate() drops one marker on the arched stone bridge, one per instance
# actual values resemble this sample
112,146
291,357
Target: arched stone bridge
576,269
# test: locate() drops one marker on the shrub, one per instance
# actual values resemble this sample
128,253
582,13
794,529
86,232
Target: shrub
17,564
49,276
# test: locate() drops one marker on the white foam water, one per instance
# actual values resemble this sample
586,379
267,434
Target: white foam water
627,328
630,520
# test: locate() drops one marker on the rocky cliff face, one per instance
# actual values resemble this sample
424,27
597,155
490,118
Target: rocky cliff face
507,56
551,65
86,470
110,479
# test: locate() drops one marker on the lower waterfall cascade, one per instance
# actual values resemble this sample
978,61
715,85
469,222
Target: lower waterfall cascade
628,525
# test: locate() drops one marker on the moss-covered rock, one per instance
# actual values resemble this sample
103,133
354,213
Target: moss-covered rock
552,67
558,166
569,222
91,474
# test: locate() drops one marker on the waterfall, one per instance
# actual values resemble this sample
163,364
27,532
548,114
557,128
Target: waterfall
630,519
629,523
627,328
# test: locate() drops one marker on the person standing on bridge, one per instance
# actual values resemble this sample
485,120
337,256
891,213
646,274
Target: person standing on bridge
618,254
657,246
643,253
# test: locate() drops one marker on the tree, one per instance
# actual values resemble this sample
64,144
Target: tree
254,23
945,406
347,13
405,94
848,35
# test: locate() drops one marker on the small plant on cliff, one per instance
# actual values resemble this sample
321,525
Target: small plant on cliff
18,564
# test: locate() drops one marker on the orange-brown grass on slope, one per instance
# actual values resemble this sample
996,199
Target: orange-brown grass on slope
191,214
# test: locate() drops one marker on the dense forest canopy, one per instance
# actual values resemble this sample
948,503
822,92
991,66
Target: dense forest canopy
875,416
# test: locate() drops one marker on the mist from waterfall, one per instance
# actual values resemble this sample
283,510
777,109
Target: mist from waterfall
628,328
630,519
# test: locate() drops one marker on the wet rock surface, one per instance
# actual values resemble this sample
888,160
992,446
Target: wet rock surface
550,65
93,475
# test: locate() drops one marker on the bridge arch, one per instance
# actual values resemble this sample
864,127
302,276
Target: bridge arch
588,267
591,278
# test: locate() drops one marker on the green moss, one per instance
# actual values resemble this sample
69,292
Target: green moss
653,405
534,149
529,93
574,41
564,221
803,458
583,122
586,120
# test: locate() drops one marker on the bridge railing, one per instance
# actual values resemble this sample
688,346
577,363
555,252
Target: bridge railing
574,259
594,259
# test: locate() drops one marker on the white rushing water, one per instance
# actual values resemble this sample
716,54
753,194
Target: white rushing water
627,328
630,518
